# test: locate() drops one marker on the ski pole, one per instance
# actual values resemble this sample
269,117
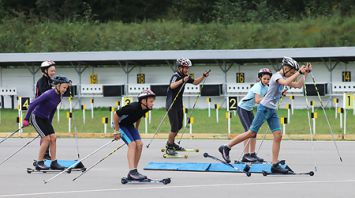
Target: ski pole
310,128
326,117
9,136
77,162
194,105
5,160
98,162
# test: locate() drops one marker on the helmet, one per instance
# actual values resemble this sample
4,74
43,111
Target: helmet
183,62
61,79
290,62
46,64
264,71
145,94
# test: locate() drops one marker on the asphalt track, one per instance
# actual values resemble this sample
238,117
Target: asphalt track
333,178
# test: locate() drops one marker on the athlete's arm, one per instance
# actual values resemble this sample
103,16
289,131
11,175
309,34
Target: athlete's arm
258,98
34,103
174,84
199,80
289,81
116,133
138,123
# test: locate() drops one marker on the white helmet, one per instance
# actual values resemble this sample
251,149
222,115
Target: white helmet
290,62
264,71
183,62
145,94
46,64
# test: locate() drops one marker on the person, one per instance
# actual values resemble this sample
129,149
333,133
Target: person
44,84
288,75
41,111
175,100
245,112
124,120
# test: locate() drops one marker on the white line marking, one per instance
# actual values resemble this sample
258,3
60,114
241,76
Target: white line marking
170,187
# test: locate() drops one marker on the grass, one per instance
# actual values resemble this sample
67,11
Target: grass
203,124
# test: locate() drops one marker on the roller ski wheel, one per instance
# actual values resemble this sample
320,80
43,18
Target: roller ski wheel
175,156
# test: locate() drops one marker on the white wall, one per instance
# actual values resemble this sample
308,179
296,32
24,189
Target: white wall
21,78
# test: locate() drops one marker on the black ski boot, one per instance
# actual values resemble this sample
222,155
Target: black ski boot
224,150
177,147
258,159
143,176
170,150
41,166
134,175
56,166
247,157
277,168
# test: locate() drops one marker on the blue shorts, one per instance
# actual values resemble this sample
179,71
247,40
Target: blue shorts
270,115
129,134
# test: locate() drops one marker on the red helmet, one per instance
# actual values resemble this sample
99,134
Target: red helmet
264,71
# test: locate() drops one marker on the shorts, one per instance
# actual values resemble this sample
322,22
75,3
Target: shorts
176,117
129,134
264,113
245,117
42,126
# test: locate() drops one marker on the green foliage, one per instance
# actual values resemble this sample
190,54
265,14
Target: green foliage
35,36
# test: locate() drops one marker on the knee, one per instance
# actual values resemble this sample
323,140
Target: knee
139,145
46,139
251,134
277,136
132,145
53,139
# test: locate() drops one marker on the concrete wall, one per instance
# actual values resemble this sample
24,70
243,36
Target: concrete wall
22,79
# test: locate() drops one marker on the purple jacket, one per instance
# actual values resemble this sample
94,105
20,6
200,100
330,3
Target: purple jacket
45,105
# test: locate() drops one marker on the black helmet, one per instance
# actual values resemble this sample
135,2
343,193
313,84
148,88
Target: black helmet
61,79
183,62
290,62
145,94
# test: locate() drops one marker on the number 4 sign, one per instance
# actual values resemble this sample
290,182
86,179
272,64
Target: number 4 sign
25,102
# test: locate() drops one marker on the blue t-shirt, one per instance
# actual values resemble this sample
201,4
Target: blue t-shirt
248,102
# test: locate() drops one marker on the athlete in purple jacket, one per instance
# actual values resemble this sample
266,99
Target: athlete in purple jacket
41,112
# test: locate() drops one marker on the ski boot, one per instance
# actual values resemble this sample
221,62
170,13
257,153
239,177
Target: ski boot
247,157
56,166
277,168
134,175
258,159
41,166
224,150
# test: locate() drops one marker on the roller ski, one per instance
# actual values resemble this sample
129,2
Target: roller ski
48,166
171,151
135,177
126,180
281,168
184,150
244,170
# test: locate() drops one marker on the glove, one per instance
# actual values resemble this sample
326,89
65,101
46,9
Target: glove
25,123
